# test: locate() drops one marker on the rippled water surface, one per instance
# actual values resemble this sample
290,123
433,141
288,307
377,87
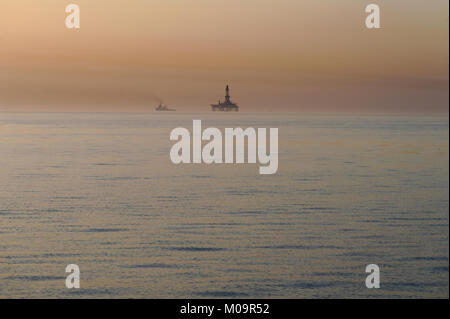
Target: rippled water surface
99,191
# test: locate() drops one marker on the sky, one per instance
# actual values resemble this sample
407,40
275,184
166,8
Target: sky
277,55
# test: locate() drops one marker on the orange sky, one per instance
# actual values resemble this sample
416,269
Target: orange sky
277,55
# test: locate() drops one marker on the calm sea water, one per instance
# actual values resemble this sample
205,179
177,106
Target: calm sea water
99,191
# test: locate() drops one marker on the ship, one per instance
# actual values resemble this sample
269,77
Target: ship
227,105
162,107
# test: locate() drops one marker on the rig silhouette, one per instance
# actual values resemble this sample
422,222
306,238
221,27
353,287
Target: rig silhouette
227,105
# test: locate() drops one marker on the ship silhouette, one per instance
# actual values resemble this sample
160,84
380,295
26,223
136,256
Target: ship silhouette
227,105
162,107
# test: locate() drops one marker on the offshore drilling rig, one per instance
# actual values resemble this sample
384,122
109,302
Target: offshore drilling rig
227,105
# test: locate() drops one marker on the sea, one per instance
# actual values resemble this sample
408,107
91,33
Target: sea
99,190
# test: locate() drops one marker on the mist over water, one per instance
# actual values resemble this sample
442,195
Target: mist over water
99,190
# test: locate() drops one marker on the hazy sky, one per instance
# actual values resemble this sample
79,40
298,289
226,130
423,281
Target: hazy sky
277,55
